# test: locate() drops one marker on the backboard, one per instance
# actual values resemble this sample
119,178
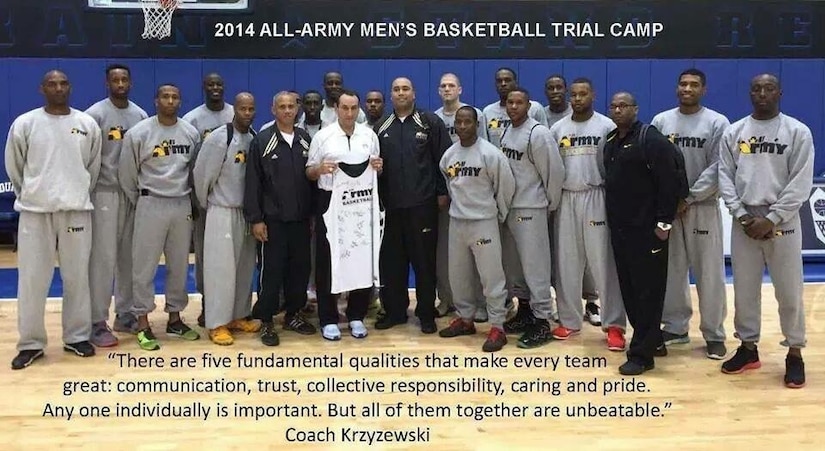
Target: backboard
197,5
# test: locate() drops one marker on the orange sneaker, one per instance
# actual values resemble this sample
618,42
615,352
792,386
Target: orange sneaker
615,339
563,333
221,336
245,325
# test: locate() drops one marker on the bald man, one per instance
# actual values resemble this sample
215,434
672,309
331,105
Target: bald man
213,113
229,249
413,192
766,166
53,162
641,193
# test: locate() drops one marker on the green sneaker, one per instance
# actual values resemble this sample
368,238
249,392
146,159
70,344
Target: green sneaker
182,330
147,341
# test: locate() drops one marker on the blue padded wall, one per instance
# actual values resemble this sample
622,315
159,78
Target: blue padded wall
653,82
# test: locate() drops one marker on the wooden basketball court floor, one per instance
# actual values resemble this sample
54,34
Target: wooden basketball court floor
700,407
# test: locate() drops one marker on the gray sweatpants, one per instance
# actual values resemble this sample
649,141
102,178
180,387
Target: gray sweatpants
162,226
516,286
475,245
41,238
524,234
198,231
445,292
228,264
696,244
584,243
111,258
783,256
589,292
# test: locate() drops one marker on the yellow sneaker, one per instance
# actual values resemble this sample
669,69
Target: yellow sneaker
245,325
221,336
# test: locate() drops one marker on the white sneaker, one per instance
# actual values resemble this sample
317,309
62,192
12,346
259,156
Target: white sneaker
357,329
331,332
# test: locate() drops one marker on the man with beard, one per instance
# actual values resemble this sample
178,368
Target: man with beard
481,186
642,194
412,190
53,161
375,107
696,238
333,86
539,174
450,91
113,216
212,114
277,203
155,167
312,112
765,176
581,235
229,249
555,89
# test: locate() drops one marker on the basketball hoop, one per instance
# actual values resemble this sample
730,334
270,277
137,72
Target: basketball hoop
157,15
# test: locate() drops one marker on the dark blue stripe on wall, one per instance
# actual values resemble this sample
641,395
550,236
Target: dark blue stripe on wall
652,81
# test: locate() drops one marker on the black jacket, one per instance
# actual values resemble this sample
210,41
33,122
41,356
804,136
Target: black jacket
276,181
640,184
411,151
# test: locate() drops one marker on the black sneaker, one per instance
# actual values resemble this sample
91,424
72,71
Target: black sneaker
592,315
631,368
428,326
269,336
82,348
298,323
26,358
661,351
521,322
744,359
539,334
180,329
456,328
385,322
716,350
675,339
794,372
202,317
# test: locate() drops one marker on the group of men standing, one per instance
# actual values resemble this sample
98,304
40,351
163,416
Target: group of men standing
512,201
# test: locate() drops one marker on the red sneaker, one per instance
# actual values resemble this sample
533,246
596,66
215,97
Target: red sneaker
615,339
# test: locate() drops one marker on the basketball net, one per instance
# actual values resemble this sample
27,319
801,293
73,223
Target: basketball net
157,17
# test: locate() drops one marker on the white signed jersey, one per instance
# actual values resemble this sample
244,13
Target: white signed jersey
355,226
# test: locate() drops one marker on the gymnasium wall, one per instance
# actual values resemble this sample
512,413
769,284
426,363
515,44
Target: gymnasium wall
653,82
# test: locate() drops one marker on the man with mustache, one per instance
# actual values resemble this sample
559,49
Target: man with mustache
113,218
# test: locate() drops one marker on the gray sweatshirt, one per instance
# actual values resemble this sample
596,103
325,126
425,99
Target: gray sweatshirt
767,163
581,146
114,122
496,119
479,181
539,171
53,161
552,117
220,172
156,158
205,120
698,136
449,122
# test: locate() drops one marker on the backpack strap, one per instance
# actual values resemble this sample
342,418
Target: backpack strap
530,144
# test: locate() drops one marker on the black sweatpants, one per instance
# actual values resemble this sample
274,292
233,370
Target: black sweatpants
284,262
358,301
410,237
641,261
